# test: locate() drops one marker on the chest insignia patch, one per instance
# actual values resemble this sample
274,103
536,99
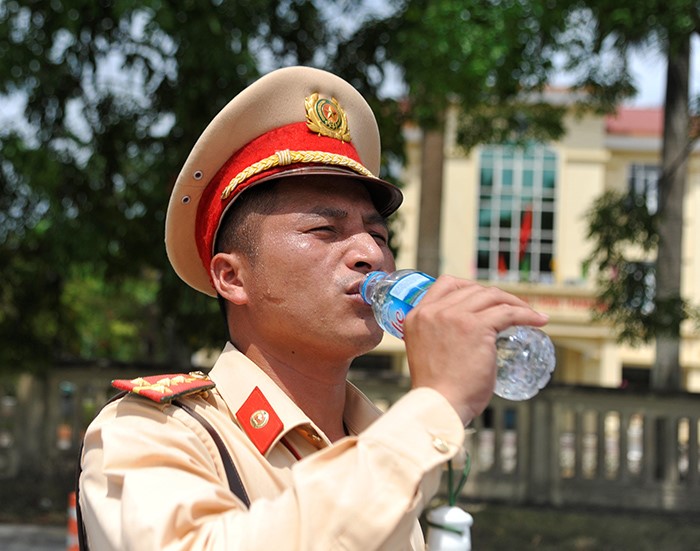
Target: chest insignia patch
165,388
259,421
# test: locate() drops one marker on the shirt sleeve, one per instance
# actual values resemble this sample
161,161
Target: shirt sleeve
154,481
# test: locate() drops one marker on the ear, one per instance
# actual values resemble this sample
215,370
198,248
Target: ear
226,270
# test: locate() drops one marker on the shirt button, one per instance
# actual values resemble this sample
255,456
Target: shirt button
440,445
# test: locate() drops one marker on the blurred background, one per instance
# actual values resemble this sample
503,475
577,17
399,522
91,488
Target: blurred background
549,148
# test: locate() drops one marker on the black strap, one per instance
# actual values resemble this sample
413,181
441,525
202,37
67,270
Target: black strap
234,480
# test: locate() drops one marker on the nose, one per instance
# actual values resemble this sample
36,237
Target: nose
366,254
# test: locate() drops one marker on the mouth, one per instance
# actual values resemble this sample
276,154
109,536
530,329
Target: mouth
353,290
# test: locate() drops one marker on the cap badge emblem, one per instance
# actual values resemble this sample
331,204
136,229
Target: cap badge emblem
326,117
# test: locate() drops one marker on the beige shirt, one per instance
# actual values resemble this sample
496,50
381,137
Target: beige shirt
153,478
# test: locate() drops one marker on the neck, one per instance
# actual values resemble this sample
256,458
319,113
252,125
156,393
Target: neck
316,386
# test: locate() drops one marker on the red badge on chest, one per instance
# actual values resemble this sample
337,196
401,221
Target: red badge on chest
259,421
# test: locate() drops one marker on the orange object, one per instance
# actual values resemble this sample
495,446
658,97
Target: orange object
72,543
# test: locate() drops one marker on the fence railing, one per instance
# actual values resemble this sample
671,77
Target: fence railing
589,447
567,446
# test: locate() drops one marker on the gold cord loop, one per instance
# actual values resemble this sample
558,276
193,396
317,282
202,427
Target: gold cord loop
287,157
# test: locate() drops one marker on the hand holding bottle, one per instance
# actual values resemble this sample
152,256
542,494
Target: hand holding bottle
451,327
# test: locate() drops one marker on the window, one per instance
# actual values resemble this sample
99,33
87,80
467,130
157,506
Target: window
517,188
644,182
635,377
639,286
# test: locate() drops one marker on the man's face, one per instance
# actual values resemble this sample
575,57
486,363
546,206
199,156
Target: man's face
312,253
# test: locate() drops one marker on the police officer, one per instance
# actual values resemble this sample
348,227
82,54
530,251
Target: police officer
279,212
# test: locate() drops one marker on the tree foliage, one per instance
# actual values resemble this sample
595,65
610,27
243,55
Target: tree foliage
492,58
113,94
650,306
620,222
625,237
484,57
484,61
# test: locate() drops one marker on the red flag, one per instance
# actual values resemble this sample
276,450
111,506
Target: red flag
502,267
525,232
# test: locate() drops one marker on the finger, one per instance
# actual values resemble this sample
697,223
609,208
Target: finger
502,316
492,317
472,296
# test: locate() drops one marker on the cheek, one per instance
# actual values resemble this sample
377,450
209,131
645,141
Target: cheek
280,254
294,243
291,263
286,271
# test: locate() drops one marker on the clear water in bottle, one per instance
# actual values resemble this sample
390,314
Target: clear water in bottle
524,355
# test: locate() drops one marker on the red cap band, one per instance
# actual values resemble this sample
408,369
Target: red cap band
294,136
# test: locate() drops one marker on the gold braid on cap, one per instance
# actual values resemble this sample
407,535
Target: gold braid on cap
287,157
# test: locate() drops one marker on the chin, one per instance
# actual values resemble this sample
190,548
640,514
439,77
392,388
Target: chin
362,338
370,341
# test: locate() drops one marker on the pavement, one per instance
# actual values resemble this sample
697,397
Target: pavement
28,537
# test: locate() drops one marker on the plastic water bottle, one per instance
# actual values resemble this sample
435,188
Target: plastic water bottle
524,355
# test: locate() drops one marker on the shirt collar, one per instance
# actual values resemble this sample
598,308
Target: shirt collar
236,377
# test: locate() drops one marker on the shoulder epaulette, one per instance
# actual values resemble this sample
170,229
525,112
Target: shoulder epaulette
165,388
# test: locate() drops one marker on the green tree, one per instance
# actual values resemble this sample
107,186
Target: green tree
490,59
486,59
666,26
113,95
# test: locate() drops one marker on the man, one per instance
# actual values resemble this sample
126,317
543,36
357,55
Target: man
278,211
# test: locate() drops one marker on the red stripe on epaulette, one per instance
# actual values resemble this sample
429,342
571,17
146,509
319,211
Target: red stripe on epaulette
259,421
164,388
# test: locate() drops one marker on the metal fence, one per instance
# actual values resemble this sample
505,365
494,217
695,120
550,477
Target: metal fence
567,446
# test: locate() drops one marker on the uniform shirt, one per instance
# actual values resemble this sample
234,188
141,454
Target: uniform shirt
152,477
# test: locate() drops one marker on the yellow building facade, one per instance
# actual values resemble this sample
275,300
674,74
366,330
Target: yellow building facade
515,217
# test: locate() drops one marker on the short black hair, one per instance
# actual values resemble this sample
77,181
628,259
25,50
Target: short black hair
238,229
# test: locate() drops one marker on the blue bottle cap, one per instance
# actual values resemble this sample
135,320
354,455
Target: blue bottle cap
372,276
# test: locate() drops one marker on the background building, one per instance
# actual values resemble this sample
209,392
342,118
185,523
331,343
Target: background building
515,216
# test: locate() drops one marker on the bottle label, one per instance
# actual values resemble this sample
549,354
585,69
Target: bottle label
410,289
404,295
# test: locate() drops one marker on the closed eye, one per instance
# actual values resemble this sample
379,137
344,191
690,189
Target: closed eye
380,237
323,229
